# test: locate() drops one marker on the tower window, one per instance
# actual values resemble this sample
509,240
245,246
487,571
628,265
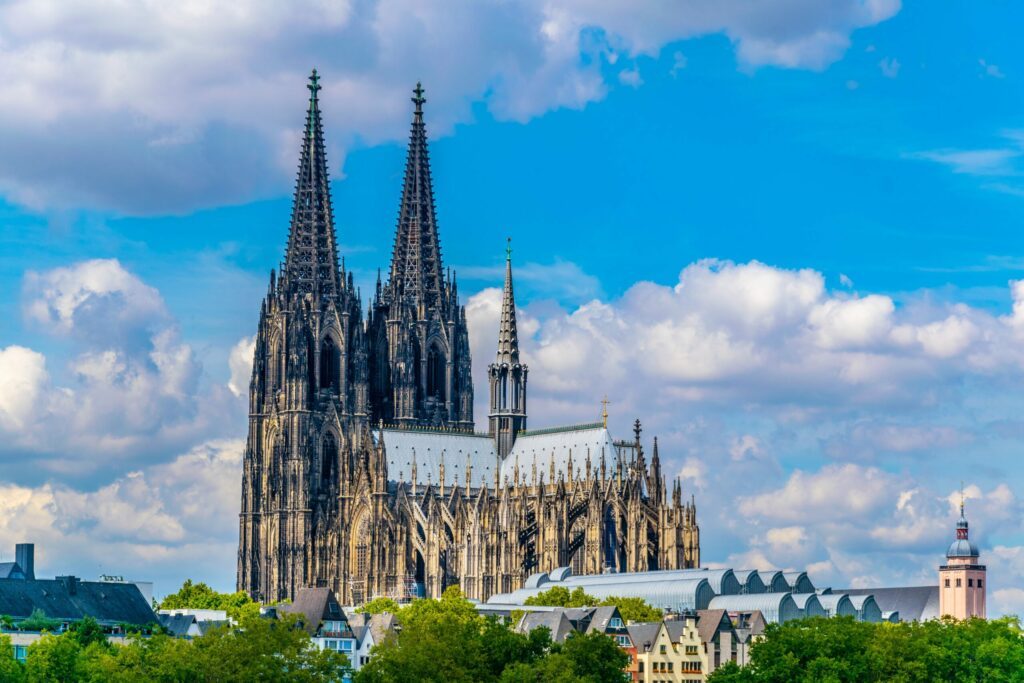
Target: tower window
436,372
970,583
947,583
981,583
329,363
958,583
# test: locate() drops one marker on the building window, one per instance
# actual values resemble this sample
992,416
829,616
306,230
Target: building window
970,583
662,649
958,584
981,583
641,667
615,622
947,583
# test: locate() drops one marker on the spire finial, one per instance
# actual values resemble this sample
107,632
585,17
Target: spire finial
314,84
604,411
419,99
508,249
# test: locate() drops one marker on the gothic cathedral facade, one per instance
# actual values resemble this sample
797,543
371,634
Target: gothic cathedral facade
362,470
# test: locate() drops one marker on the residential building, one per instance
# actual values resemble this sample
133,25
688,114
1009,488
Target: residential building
320,614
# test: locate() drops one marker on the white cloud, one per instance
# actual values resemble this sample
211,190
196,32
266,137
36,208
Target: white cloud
990,70
240,362
168,106
757,334
631,77
131,388
890,67
161,522
22,378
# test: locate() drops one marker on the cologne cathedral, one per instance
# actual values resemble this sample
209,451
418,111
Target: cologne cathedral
363,471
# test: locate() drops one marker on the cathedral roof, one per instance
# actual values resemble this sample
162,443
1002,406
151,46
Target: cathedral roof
548,447
311,260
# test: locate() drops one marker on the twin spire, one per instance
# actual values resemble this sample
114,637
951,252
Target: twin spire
416,272
311,260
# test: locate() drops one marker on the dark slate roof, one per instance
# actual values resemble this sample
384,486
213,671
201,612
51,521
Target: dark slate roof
675,628
11,570
644,633
914,603
381,625
556,622
315,605
177,624
710,622
69,599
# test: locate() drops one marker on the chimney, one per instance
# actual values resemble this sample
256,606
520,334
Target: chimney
24,555
70,583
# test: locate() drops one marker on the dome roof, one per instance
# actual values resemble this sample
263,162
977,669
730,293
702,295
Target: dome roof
961,547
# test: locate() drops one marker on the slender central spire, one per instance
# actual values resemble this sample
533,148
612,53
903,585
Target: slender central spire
311,261
416,270
508,337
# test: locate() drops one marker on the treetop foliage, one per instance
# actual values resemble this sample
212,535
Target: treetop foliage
200,596
631,609
448,640
843,650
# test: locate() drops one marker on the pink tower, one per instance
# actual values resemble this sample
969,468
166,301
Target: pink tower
962,578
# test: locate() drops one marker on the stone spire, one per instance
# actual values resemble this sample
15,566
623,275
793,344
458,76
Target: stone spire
416,271
506,375
508,337
311,260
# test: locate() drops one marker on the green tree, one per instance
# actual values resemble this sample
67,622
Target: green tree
842,650
200,596
38,621
633,610
11,670
590,658
52,659
560,596
88,631
379,605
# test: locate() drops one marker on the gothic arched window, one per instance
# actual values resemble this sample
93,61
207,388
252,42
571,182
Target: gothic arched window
436,371
329,362
361,542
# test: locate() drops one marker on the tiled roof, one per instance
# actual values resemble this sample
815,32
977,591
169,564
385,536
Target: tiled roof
710,622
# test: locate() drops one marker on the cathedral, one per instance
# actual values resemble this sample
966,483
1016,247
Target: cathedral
363,470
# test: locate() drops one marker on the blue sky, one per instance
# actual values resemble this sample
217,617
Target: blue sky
783,236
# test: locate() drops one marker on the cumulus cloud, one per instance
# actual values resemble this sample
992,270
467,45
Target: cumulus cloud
240,362
760,335
165,107
131,388
159,522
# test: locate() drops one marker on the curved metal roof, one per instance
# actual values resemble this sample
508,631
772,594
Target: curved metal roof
809,603
774,581
962,547
775,607
750,581
798,582
867,608
838,605
676,595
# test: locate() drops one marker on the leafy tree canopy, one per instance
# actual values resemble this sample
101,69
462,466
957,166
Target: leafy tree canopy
842,650
631,609
200,596
256,649
379,605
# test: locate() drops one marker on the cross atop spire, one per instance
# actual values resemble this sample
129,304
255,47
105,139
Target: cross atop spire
508,336
311,259
416,270
419,99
